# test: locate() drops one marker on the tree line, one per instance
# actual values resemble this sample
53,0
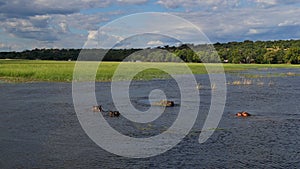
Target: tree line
263,52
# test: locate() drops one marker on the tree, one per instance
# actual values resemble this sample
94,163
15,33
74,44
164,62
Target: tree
270,57
292,55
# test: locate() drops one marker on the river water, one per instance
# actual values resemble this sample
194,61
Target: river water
39,127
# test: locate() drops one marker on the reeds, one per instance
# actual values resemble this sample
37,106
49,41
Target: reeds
242,82
290,74
251,82
213,86
259,83
198,86
271,83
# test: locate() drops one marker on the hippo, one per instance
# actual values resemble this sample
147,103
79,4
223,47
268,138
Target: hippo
165,103
97,108
242,114
245,114
110,113
239,114
114,113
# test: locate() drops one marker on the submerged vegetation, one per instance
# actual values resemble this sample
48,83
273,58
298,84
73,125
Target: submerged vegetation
62,71
247,82
242,82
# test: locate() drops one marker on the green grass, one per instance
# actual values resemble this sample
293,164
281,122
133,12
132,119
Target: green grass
62,71
26,70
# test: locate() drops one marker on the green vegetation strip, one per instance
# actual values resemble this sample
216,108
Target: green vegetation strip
62,71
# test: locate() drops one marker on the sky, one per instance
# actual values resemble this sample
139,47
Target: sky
30,24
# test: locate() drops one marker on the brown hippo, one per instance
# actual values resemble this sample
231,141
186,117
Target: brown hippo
243,114
110,113
114,113
165,103
97,108
239,114
168,103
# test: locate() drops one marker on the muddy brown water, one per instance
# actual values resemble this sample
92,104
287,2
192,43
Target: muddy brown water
39,127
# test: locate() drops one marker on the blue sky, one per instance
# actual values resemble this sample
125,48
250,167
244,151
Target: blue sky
70,24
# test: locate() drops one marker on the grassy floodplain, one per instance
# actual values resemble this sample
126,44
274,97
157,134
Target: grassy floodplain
62,71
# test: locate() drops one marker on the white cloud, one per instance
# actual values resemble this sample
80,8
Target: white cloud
9,47
252,21
132,1
169,3
272,3
246,23
34,27
208,4
267,2
289,23
75,4
93,35
101,39
3,46
254,31
64,27
155,43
